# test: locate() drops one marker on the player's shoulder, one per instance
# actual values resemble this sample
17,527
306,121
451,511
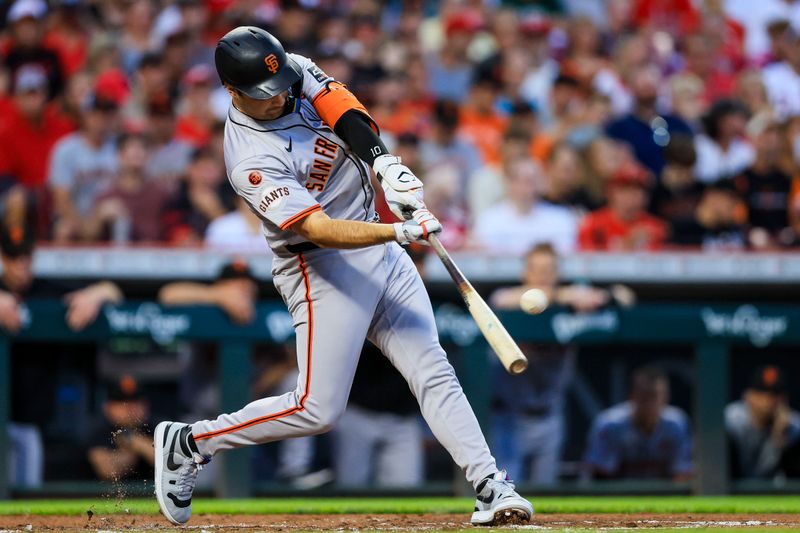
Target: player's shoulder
245,140
301,60
309,68
251,171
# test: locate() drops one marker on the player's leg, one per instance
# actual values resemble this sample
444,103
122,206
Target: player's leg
405,331
332,299
355,440
295,456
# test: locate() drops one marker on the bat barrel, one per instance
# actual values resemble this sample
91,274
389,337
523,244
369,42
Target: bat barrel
518,367
493,331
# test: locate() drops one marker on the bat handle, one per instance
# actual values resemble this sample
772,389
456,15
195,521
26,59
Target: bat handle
447,261
434,241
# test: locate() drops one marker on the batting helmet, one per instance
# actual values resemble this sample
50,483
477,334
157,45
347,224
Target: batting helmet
254,62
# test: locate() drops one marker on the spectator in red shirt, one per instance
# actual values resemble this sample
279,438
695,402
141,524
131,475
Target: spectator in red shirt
28,131
68,36
196,118
728,34
624,225
677,17
701,61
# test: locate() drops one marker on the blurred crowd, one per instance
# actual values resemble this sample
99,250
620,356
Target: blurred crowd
615,125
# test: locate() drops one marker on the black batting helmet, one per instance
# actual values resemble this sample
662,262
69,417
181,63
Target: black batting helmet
254,62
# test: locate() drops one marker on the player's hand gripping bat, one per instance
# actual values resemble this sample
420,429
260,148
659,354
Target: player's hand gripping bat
496,335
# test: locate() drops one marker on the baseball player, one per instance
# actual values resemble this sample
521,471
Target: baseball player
298,147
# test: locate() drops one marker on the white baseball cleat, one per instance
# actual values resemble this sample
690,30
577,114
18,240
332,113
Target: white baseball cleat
498,503
177,463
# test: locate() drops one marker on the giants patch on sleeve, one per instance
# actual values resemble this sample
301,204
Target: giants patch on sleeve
317,73
272,198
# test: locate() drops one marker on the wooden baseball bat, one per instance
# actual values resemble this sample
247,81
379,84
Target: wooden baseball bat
496,335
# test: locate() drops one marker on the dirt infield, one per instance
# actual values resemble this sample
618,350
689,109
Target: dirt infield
387,522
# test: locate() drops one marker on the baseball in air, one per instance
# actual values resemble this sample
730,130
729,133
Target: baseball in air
533,301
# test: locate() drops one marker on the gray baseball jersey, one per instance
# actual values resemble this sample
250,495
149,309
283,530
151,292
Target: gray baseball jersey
285,169
291,166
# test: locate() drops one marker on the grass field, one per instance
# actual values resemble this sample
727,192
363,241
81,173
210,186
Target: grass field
544,505
667,513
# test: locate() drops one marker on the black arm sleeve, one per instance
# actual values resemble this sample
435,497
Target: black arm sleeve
355,129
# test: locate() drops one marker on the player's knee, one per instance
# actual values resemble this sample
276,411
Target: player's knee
438,374
326,422
324,417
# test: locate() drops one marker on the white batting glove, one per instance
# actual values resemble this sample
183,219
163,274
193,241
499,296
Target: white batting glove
402,189
421,225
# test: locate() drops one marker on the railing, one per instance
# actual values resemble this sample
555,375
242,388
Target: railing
711,329
652,268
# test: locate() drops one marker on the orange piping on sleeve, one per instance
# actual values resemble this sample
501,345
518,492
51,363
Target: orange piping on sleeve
302,214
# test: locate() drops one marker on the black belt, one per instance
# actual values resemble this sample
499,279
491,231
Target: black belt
301,247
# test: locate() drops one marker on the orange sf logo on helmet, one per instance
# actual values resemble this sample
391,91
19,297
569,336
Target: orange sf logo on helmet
272,63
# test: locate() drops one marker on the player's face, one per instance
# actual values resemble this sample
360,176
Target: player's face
32,103
542,270
649,401
763,405
17,273
627,200
268,109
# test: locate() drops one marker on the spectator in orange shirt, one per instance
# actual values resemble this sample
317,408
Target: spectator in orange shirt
412,113
624,225
480,122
